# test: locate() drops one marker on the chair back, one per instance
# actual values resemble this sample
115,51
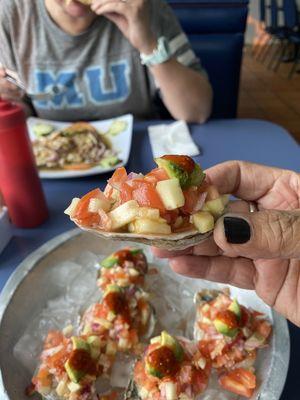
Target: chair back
290,11
274,14
262,10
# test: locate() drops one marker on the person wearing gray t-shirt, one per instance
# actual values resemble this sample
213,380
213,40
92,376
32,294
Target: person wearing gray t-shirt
110,58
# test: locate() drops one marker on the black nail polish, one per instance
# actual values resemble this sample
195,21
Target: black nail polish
237,230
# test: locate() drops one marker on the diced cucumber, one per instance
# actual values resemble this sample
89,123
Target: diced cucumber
117,127
41,129
109,162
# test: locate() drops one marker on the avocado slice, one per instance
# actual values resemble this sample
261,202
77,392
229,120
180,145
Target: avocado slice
112,289
174,171
153,371
109,262
74,374
235,308
134,252
223,328
197,176
173,344
186,179
80,344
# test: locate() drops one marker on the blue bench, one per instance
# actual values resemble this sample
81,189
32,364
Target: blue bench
216,30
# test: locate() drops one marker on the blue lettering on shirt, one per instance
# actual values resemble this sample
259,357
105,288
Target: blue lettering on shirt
119,89
65,80
98,91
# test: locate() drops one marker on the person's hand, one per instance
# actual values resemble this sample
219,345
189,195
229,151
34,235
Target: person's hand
132,18
259,250
9,91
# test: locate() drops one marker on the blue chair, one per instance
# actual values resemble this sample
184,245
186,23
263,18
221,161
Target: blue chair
216,31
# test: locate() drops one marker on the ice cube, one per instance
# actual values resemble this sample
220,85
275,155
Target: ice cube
27,351
121,370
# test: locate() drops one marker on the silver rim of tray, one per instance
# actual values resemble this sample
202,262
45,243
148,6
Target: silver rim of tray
277,370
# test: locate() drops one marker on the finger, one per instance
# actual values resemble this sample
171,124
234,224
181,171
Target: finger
265,234
162,253
8,86
234,271
118,7
245,180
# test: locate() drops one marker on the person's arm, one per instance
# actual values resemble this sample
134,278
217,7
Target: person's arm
186,92
259,250
9,91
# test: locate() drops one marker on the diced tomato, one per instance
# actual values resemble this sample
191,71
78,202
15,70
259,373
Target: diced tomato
81,211
170,216
245,316
156,175
239,381
146,195
199,380
118,177
194,199
125,192
228,318
43,378
264,328
53,339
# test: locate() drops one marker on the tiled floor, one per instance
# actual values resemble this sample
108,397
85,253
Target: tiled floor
268,95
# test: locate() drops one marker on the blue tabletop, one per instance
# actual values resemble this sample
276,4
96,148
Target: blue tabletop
252,140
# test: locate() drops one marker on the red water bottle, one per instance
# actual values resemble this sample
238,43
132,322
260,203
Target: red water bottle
19,180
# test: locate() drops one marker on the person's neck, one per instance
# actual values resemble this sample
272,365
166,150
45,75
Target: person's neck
70,25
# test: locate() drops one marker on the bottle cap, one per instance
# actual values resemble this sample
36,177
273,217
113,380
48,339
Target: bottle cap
11,114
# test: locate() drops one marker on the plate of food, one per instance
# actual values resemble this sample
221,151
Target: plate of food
172,206
70,150
109,321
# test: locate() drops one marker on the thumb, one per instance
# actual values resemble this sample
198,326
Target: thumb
263,234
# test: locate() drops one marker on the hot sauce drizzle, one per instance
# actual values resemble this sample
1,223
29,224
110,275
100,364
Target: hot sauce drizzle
164,361
185,162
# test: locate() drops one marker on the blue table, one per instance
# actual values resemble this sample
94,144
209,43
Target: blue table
251,140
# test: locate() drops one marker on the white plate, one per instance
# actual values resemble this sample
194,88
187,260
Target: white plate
54,271
121,143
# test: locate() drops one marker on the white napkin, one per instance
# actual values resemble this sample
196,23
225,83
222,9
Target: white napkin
172,138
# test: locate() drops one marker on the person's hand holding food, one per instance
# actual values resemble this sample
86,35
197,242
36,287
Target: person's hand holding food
9,91
132,18
259,250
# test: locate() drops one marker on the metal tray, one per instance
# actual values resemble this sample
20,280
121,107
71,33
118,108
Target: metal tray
33,284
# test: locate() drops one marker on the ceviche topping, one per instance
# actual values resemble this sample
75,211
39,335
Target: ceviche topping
172,198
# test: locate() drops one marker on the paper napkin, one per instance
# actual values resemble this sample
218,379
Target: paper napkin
172,138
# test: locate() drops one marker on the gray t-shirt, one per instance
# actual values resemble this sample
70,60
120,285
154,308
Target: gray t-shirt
99,69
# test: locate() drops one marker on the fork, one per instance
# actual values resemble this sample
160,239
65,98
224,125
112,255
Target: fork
53,91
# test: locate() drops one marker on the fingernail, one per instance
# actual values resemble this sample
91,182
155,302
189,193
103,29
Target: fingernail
237,230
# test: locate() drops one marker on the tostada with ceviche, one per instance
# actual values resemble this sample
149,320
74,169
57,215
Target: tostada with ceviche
173,206
171,368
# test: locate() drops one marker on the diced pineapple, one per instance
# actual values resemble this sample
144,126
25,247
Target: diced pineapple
171,391
96,204
62,388
203,221
94,341
215,207
68,330
170,193
144,226
95,352
72,207
124,214
74,387
103,322
146,212
156,339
